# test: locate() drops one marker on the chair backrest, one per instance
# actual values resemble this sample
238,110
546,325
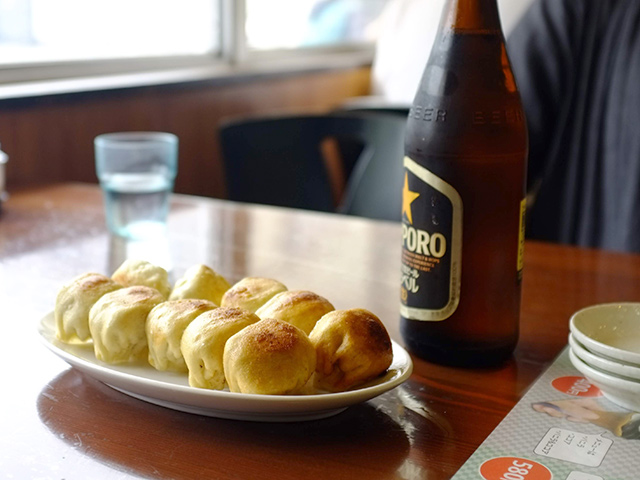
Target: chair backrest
279,161
374,188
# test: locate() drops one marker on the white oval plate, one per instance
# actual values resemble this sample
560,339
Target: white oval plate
172,390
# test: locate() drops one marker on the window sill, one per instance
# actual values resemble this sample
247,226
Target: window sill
211,73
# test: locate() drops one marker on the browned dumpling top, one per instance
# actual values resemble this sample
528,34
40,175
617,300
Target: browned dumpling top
73,303
117,323
269,357
251,293
352,347
297,307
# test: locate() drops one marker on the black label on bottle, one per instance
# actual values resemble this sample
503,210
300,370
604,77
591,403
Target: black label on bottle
431,245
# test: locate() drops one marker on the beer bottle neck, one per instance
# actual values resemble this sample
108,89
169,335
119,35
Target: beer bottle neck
475,15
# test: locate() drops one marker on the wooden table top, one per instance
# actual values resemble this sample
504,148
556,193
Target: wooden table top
60,423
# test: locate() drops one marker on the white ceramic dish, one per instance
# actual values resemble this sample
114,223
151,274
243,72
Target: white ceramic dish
610,329
625,393
603,363
172,390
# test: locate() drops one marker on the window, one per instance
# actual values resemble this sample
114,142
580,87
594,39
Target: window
37,31
287,24
62,39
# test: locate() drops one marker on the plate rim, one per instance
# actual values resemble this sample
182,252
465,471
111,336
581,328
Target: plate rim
609,379
615,353
250,406
618,395
603,363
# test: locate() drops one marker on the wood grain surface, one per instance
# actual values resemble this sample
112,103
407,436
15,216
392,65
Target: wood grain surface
59,423
50,139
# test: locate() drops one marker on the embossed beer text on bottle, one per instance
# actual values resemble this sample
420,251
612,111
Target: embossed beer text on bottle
463,198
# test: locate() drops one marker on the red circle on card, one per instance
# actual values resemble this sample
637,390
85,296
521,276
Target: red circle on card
576,386
514,468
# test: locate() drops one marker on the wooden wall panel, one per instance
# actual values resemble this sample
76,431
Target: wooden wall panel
50,139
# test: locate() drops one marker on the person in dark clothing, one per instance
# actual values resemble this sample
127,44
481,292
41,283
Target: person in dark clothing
577,65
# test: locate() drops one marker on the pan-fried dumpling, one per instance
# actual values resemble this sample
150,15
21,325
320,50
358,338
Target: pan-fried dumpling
165,326
203,344
270,357
251,293
140,272
200,282
117,323
352,347
73,303
297,307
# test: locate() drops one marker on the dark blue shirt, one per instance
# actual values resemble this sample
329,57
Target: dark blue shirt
577,64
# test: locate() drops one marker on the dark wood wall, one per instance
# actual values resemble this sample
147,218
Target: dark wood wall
50,139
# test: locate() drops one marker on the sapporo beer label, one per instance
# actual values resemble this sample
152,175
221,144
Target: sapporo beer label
431,245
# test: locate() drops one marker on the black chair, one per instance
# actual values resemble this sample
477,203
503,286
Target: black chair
371,104
279,160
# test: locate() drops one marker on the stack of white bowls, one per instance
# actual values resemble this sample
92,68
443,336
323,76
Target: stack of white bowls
605,347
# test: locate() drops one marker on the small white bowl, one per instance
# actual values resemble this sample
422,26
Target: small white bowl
611,366
609,329
625,393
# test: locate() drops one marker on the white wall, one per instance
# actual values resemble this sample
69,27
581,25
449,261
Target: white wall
408,28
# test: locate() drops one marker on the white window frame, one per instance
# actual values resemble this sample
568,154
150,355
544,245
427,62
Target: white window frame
234,59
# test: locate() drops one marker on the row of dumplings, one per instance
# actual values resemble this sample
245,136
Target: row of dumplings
255,336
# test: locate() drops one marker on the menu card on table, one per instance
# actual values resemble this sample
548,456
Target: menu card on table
562,429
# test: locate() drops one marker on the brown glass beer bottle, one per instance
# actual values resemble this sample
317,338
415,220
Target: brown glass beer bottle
463,198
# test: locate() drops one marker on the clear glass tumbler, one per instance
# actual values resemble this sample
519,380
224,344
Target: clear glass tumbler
137,171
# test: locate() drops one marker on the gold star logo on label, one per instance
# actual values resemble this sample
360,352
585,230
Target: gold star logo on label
407,198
